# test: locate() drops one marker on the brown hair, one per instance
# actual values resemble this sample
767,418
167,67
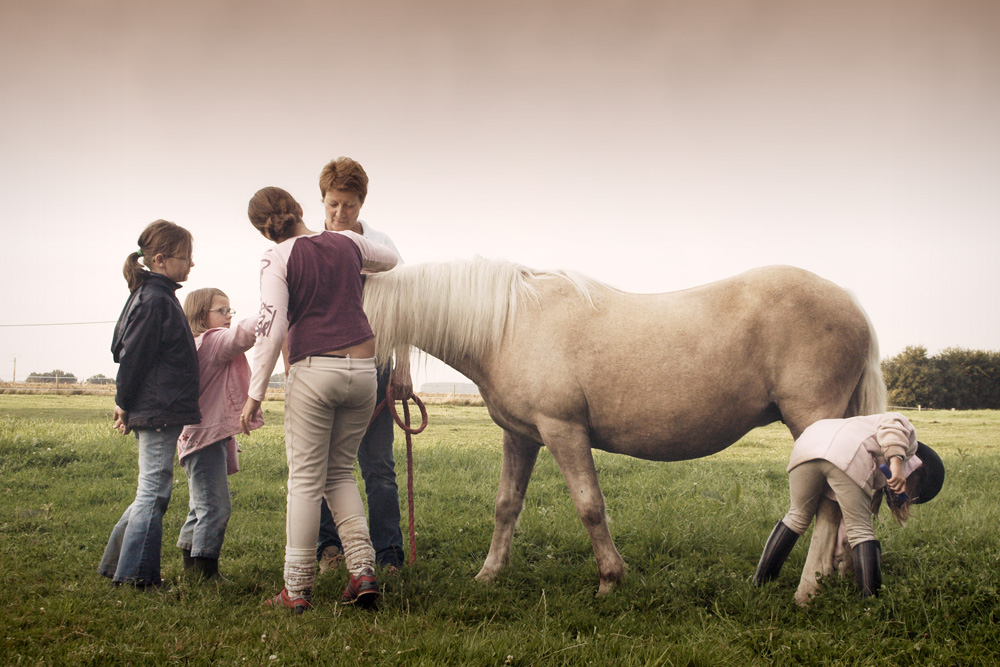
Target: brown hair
344,174
900,510
197,305
158,238
274,213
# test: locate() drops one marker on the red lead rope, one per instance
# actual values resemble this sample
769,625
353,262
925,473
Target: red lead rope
404,424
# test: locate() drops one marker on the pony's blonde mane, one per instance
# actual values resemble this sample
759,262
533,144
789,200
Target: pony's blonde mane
457,309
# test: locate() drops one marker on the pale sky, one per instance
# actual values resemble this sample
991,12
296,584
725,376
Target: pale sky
654,145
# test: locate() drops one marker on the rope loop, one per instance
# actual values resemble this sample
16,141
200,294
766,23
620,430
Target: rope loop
404,424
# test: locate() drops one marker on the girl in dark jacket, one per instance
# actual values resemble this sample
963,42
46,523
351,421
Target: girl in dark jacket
157,394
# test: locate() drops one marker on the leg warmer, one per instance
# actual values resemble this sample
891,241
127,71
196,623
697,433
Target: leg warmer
358,551
300,570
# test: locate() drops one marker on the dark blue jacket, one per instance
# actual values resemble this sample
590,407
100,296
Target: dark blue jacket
158,362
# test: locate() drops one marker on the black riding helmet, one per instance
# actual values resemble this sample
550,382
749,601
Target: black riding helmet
931,474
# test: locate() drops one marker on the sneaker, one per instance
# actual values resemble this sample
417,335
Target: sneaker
362,589
298,604
330,559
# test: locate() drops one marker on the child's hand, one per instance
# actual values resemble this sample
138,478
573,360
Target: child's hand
250,409
121,421
897,482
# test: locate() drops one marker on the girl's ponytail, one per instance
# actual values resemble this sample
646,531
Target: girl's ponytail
133,271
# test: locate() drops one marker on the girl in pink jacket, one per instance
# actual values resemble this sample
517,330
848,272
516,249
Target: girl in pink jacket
208,450
840,458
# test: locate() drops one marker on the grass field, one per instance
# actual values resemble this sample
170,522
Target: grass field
691,533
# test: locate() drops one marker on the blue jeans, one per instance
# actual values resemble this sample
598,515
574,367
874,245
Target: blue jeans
378,470
209,505
133,551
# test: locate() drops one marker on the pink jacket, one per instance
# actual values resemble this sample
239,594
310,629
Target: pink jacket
858,444
225,378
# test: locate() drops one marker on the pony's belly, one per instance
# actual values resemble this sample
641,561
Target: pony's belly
661,450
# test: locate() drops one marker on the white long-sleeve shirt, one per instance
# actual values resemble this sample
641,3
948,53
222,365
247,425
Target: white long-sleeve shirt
310,291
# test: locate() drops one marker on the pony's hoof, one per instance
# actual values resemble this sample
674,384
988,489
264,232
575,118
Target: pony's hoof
802,598
605,588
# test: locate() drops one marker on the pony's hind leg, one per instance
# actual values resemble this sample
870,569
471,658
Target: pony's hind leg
570,447
519,456
820,559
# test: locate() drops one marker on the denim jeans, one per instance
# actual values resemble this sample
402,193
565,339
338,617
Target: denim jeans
209,505
133,551
378,470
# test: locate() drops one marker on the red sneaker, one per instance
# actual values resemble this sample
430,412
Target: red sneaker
298,604
362,589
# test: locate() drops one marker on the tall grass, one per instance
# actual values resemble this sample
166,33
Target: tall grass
691,533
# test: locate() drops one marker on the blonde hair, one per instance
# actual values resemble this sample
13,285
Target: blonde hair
197,305
344,174
158,238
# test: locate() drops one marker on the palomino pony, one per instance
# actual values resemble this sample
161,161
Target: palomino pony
569,363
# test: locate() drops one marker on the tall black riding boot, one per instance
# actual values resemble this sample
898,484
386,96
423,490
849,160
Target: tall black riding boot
868,567
776,551
188,560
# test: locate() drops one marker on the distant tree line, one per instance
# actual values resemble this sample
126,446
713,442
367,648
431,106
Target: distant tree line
954,379
62,377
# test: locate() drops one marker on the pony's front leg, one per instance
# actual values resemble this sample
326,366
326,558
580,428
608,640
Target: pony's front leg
820,558
570,447
519,456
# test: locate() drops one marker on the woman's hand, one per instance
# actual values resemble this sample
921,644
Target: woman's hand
897,482
121,421
250,408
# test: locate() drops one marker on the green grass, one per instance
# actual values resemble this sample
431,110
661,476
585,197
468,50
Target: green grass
691,533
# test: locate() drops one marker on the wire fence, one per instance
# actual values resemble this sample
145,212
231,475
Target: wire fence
64,388
275,392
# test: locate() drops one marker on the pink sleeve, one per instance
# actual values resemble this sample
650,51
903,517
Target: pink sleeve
226,344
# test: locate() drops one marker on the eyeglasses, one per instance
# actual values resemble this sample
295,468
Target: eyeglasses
225,312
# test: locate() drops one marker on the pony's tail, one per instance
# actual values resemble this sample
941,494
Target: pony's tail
870,395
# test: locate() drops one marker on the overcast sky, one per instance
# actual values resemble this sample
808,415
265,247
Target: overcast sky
654,145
